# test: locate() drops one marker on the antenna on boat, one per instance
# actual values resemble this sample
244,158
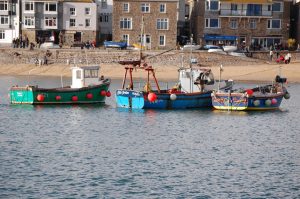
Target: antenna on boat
142,40
221,69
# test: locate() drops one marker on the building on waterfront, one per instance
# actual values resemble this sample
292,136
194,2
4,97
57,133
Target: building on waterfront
59,21
105,12
258,24
295,21
9,21
163,21
79,22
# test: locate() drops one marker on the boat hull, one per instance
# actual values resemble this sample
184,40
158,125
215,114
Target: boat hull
34,95
139,99
240,101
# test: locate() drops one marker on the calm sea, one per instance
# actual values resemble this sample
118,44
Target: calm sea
103,152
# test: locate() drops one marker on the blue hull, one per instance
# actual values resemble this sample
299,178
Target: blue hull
138,99
240,102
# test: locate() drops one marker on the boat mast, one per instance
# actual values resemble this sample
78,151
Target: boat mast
142,38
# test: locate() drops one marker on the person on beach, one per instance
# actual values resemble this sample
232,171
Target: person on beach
287,58
271,55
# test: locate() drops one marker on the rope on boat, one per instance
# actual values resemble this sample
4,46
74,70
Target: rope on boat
255,72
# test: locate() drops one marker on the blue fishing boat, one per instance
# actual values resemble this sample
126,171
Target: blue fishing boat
193,89
267,97
114,44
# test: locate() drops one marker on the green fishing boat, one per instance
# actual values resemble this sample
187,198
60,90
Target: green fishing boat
86,88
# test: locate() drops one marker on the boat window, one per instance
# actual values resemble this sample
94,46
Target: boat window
78,74
91,73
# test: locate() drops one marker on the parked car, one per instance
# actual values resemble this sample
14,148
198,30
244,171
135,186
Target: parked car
49,45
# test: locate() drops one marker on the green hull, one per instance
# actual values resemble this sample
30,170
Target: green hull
66,95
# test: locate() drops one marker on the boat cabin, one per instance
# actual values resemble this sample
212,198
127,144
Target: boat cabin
196,79
84,76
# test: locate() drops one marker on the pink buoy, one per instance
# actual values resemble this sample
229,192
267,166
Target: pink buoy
74,98
274,101
152,97
40,97
89,96
57,98
108,94
103,93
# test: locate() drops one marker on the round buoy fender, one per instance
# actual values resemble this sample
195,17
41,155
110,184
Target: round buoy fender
152,97
256,102
249,92
287,96
108,94
89,95
268,102
74,98
103,93
274,101
58,98
40,97
173,97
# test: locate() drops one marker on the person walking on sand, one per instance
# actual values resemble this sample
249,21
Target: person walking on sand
271,55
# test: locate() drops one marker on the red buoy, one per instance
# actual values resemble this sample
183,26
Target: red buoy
108,94
74,98
249,92
57,98
103,93
274,101
89,96
40,97
152,97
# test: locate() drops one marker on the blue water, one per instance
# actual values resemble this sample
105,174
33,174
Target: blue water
99,151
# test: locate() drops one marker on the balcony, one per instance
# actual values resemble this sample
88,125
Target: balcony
245,13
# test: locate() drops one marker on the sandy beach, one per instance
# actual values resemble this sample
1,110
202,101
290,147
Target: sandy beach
249,73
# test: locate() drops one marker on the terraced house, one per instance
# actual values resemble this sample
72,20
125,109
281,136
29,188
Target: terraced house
59,21
9,21
258,24
162,22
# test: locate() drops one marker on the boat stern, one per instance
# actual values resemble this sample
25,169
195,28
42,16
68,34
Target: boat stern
21,95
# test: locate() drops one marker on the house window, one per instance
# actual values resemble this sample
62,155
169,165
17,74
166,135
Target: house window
126,7
162,40
87,11
233,23
72,22
104,4
72,11
252,24
50,7
276,7
234,7
29,21
274,24
3,20
2,34
3,5
78,74
162,24
145,7
254,10
162,8
126,23
87,22
104,17
50,21
212,23
212,5
125,38
29,6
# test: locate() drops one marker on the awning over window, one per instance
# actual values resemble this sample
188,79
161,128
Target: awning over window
219,37
248,1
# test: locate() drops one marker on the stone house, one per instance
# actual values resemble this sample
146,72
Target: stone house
9,21
253,23
162,21
105,10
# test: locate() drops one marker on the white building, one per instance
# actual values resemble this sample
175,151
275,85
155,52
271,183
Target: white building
9,21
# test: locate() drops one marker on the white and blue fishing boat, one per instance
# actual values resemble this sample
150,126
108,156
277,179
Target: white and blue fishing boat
193,89
267,97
